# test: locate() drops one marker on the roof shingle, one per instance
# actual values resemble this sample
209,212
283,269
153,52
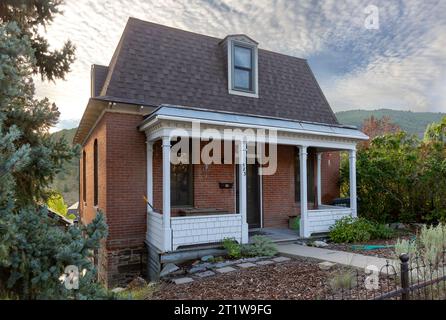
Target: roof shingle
156,65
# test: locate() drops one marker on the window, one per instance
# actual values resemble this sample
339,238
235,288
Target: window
95,172
310,177
84,176
182,184
242,68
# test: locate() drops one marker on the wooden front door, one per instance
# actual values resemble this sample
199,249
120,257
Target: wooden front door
253,195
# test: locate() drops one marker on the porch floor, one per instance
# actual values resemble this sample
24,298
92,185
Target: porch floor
275,234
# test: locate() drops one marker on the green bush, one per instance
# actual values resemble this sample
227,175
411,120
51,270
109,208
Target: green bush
350,229
233,248
260,246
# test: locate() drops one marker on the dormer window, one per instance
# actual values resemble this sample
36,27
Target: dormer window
242,66
242,76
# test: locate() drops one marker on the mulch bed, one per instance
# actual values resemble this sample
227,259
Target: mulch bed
298,279
388,253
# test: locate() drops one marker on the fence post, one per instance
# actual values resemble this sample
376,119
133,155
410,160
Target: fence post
405,276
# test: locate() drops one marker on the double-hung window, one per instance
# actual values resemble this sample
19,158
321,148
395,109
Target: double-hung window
243,68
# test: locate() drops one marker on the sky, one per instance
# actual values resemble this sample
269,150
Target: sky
390,55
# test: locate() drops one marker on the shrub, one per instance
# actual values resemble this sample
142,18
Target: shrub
344,279
260,246
233,248
405,246
350,229
432,242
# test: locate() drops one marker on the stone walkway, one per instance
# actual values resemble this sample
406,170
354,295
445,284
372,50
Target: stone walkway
230,266
341,257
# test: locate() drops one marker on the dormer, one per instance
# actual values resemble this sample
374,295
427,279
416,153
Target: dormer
242,58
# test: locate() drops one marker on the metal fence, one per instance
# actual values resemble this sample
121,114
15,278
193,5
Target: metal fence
411,278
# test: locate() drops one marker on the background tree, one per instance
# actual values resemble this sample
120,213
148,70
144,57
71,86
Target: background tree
402,178
30,16
33,251
374,127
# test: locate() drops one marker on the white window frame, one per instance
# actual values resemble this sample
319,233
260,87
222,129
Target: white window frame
255,79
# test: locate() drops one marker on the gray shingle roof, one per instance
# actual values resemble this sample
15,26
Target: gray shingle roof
99,73
155,64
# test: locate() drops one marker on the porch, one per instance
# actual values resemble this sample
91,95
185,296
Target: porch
168,231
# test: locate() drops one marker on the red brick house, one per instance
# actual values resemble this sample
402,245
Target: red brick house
161,82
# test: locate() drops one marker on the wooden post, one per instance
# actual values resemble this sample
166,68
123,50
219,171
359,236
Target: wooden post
149,150
319,179
353,197
405,276
242,189
166,195
304,232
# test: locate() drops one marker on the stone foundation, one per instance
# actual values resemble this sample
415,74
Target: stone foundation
120,266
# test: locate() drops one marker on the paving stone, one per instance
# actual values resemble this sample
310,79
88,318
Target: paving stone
205,274
281,259
182,280
168,268
223,264
207,258
225,269
246,265
198,268
326,265
320,244
254,259
265,262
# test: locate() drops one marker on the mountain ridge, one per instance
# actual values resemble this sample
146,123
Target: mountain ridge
409,121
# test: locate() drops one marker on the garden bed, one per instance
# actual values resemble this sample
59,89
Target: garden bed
387,253
297,279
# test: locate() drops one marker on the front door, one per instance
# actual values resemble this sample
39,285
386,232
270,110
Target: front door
253,195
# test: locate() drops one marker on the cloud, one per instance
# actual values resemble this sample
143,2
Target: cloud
401,65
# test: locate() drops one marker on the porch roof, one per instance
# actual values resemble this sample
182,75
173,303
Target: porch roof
188,114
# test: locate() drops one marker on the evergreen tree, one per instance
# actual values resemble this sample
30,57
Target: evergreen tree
33,250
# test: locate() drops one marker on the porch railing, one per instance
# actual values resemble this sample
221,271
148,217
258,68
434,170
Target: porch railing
194,230
205,229
321,219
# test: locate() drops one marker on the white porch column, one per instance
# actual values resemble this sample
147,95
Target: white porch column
304,232
242,190
353,198
166,195
319,178
149,151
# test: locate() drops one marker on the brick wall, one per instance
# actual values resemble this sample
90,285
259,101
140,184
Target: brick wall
330,176
207,193
279,189
126,187
122,185
87,209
